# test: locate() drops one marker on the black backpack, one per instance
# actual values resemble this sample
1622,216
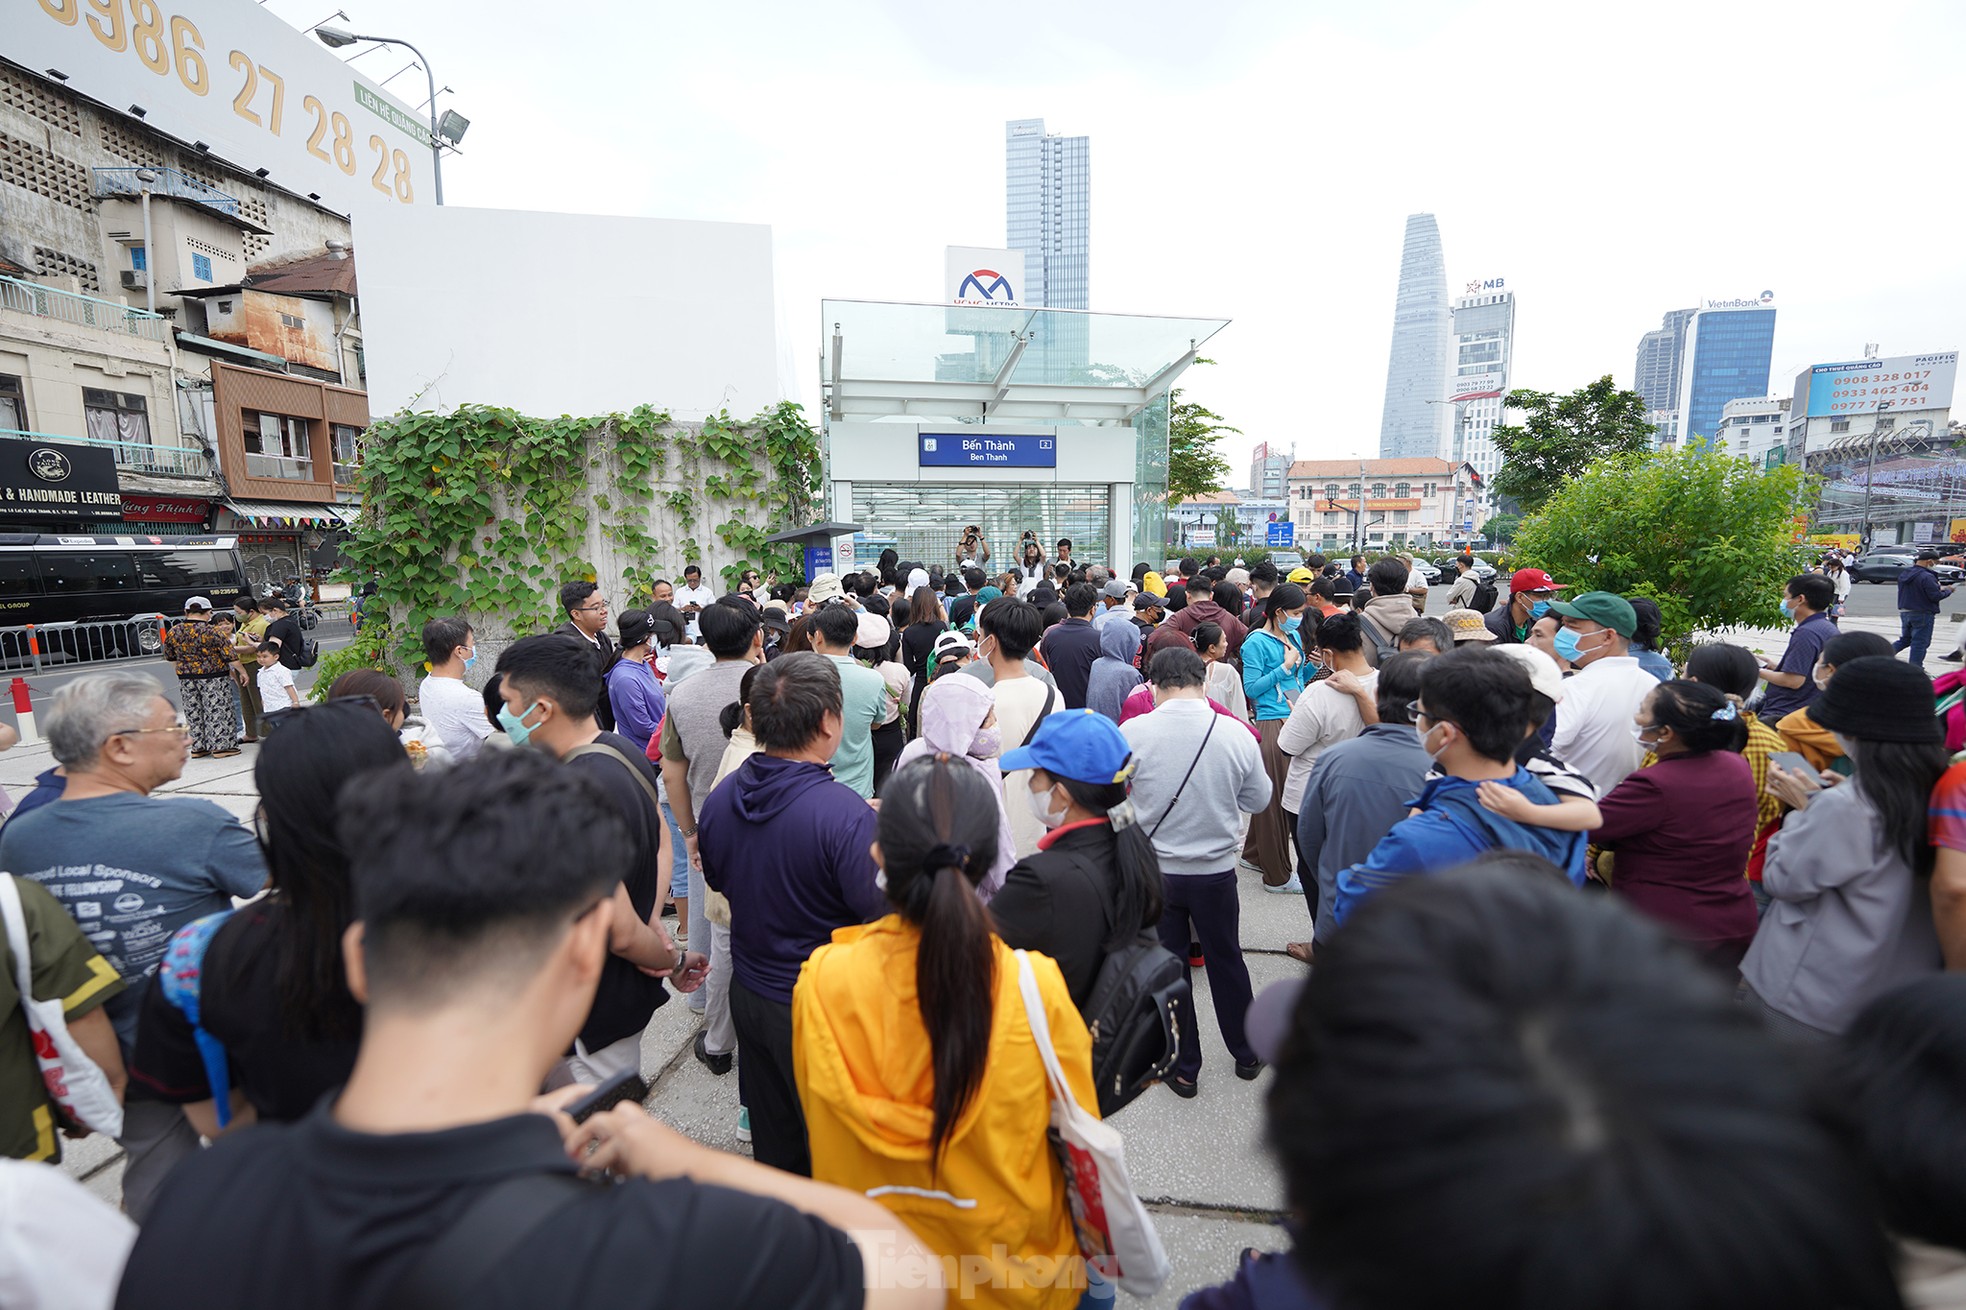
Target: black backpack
1139,1002
1484,597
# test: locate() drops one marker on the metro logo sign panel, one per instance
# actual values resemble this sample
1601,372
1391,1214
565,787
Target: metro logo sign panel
1881,386
981,278
232,75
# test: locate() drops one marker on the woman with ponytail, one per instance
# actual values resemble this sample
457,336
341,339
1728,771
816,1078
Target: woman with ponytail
921,1080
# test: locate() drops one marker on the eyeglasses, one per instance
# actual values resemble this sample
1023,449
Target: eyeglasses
600,608
181,728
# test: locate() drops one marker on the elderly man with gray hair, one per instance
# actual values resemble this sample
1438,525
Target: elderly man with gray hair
131,868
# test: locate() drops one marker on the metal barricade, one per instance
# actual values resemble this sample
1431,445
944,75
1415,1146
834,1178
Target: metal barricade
54,645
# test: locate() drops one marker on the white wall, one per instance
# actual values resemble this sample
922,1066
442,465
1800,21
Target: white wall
555,314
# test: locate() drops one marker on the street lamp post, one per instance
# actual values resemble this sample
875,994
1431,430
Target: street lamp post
335,38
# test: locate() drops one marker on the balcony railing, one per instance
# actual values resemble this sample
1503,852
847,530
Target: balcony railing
347,475
170,182
82,311
136,456
280,466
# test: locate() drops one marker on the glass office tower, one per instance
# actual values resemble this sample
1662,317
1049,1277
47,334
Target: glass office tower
1656,374
1047,196
1417,421
1726,358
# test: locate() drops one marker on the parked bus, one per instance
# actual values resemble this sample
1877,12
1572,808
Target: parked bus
104,597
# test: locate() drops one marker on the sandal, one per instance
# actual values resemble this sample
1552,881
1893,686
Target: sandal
1299,951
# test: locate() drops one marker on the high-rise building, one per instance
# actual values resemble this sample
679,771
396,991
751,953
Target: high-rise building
1047,193
1417,422
1483,343
1267,470
1047,198
1655,376
1729,344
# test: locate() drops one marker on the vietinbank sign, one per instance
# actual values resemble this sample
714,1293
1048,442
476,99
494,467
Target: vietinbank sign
1762,301
984,278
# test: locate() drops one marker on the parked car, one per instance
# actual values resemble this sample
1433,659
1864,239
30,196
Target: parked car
1483,570
1889,566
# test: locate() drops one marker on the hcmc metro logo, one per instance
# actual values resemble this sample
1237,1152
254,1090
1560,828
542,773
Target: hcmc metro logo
985,284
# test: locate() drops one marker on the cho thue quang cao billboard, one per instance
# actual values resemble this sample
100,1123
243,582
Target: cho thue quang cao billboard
1883,386
229,77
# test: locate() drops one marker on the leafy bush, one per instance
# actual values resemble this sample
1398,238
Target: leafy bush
1711,539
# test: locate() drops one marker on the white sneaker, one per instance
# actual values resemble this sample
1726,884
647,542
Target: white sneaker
1244,866
1295,887
743,1123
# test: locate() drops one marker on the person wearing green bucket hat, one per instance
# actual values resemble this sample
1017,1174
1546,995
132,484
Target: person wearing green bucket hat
1594,719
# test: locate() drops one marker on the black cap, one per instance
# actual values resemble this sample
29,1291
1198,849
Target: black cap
634,628
1147,600
1928,553
1878,698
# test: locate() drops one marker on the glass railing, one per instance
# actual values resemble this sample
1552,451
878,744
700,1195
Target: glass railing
347,475
82,311
136,456
280,466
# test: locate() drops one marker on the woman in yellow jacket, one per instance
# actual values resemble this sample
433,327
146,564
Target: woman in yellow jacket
922,1084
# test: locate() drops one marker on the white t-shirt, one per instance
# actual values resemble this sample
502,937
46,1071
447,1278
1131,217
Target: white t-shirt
1319,720
60,1245
455,713
1594,719
275,688
1019,703
698,595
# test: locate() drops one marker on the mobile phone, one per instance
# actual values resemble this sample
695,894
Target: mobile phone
1791,760
624,1086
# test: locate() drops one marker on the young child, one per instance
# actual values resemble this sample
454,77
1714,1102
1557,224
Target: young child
276,681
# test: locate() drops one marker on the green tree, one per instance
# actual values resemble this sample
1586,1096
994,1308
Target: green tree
1561,436
1502,527
1711,539
1194,466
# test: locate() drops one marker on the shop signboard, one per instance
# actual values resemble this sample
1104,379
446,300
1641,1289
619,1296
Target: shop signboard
43,480
988,450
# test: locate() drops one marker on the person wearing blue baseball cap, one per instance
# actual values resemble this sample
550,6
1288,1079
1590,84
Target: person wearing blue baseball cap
1094,882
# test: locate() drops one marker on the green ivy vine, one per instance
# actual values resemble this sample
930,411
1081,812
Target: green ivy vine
484,511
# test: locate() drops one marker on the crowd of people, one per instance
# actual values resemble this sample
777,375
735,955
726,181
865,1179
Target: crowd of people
885,831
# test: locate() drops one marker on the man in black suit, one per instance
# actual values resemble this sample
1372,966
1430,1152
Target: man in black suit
587,619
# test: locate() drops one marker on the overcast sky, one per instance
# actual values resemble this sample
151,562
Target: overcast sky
1256,161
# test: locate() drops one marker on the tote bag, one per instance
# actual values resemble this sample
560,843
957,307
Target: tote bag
77,1086
1116,1234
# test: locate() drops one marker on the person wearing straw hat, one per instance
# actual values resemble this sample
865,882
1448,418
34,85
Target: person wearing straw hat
1467,625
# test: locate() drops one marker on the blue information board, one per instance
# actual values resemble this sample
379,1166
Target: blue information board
988,450
1282,534
819,559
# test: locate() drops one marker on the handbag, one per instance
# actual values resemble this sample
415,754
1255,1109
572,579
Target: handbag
76,1084
1116,1234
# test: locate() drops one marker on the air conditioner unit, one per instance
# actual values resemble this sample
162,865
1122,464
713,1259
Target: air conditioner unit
135,279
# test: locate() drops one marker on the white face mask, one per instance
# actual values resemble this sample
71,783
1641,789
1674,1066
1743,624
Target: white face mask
1427,736
1040,802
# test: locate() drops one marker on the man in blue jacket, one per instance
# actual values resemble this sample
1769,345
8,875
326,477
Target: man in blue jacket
792,848
1472,714
1919,594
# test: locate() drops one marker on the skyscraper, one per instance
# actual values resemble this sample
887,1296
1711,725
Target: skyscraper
1047,192
1484,343
1656,375
1728,347
1416,421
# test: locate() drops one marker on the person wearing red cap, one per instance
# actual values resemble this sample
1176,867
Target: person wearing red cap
1530,594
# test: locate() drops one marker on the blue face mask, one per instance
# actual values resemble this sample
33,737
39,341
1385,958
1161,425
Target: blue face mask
515,724
1566,644
1292,623
470,659
1788,608
1538,610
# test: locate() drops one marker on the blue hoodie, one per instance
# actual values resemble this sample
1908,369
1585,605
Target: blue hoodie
791,847
1113,674
1452,828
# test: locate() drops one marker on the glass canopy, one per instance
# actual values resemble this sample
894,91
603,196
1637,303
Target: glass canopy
888,359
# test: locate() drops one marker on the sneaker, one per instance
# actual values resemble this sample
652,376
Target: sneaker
1194,959
743,1123
716,1064
1295,887
1244,866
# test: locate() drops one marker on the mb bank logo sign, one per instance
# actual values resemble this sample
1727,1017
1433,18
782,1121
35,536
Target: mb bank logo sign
977,278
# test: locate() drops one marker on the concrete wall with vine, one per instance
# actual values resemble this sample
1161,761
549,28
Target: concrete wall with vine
486,512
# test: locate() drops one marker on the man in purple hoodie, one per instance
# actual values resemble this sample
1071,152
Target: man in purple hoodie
792,849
